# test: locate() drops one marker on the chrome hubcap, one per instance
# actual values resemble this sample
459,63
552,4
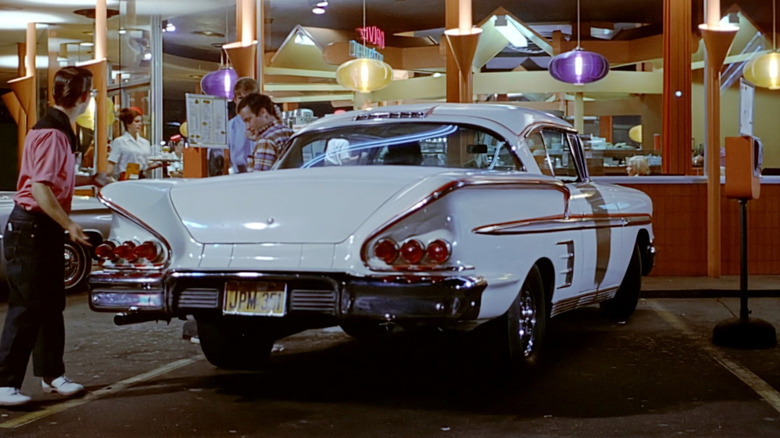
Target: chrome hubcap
526,322
72,266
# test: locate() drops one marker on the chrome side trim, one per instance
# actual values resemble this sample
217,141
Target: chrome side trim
568,255
582,300
558,224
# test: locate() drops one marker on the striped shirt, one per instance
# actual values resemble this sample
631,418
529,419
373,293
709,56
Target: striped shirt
271,145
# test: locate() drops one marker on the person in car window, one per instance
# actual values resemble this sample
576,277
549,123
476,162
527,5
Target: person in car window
34,244
265,127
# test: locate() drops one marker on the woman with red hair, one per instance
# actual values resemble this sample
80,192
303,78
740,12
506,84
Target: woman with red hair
130,149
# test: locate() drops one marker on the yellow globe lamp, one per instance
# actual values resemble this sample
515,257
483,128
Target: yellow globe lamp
364,75
764,71
183,129
635,133
87,119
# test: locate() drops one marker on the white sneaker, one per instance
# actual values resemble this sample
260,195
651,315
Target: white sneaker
10,396
62,386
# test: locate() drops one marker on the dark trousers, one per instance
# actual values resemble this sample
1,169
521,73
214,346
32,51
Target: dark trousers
33,247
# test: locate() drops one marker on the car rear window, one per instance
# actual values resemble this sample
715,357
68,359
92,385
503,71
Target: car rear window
409,144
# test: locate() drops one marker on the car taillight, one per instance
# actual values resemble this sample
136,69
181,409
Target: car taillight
147,250
105,250
386,250
438,251
412,251
125,251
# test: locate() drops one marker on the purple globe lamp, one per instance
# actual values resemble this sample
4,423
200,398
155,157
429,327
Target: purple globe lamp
579,67
219,83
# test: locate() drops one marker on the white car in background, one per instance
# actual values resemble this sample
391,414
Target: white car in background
430,215
93,217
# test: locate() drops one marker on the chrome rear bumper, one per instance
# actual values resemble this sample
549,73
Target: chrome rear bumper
387,298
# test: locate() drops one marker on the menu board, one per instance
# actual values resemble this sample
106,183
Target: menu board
207,118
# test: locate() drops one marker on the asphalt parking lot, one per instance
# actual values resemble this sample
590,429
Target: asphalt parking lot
656,375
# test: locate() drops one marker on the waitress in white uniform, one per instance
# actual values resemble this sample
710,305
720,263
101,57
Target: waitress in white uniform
129,148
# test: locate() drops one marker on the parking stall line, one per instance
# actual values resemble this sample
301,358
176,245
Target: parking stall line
98,394
756,383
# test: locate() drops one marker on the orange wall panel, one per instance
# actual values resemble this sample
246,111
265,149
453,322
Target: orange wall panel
680,227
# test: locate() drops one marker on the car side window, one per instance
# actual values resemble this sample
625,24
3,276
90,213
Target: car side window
560,155
535,144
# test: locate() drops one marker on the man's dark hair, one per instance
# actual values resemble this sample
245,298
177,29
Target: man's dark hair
70,83
256,102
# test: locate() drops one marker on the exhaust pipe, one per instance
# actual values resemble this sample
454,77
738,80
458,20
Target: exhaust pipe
137,317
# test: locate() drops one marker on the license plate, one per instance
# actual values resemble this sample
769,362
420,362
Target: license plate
264,298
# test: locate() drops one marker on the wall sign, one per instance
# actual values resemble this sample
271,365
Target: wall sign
372,35
358,50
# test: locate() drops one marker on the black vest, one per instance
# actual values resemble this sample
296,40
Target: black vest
56,119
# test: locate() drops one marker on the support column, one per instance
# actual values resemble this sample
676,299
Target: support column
101,85
717,40
462,44
677,131
451,66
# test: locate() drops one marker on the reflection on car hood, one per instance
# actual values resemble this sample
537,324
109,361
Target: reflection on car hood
289,206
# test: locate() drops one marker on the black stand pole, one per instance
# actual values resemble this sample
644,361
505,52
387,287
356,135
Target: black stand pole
744,332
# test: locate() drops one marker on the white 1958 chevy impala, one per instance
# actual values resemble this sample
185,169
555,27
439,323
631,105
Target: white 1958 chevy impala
431,215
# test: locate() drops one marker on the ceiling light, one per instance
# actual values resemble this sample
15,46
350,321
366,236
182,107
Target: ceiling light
317,10
364,74
578,66
764,71
509,29
220,82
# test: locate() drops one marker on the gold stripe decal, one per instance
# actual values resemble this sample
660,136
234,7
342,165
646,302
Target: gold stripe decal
554,225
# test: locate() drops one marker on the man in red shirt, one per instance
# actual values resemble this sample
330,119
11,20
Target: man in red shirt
34,241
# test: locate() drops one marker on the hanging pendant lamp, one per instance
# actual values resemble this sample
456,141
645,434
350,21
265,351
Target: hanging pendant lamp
764,71
364,74
220,83
578,66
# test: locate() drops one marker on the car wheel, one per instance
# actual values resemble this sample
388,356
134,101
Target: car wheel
526,323
624,303
78,264
233,343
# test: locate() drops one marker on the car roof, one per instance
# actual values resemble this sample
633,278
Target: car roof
514,118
